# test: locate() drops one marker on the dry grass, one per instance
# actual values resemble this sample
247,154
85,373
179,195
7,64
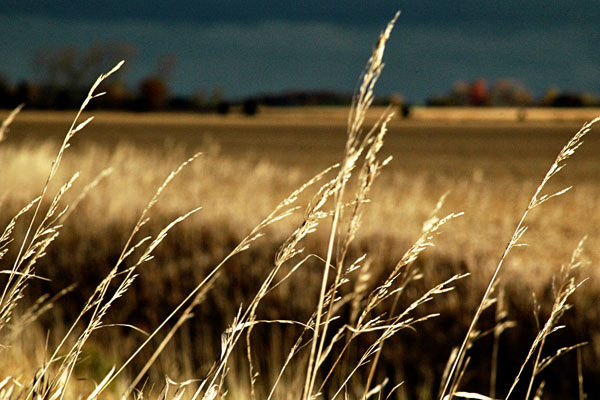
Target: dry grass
226,188
319,294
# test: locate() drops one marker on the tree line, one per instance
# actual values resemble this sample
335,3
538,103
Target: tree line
62,78
509,93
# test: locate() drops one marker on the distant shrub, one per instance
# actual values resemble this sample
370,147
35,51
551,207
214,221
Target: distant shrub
223,108
250,107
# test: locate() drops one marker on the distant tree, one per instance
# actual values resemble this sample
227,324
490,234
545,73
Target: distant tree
568,100
459,95
405,110
223,108
27,93
508,92
478,93
217,103
117,95
6,100
396,100
216,97
154,90
153,94
590,100
250,107
66,73
439,101
550,95
64,98
180,103
555,98
198,99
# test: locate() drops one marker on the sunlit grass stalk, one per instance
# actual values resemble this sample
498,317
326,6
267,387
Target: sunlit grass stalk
566,287
284,209
31,249
9,120
450,386
354,146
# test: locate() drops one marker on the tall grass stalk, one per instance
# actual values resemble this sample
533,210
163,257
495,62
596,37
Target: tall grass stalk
31,249
562,291
9,120
355,145
450,385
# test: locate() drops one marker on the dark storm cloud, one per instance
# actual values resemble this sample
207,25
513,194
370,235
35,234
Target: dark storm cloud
516,14
246,47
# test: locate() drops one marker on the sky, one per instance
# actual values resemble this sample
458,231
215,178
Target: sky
250,47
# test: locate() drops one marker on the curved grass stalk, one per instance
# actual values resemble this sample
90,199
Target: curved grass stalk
536,200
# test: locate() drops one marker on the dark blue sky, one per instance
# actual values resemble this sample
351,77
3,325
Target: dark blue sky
248,47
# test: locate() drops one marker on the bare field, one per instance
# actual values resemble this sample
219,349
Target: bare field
490,169
312,140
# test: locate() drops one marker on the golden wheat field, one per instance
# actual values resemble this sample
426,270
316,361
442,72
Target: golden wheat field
445,272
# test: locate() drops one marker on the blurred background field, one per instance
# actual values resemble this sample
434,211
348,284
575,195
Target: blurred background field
489,168
451,142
